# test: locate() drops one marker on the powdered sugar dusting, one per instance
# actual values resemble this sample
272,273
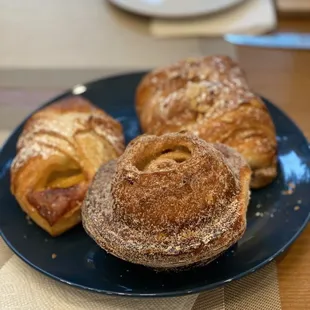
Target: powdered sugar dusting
52,131
211,98
33,150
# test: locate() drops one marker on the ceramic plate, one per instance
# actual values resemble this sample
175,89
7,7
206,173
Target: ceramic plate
275,219
174,8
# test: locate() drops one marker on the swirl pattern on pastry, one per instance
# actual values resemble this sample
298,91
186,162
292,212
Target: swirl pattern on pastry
169,201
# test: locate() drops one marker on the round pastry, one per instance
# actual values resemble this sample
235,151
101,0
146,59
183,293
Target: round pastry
169,201
210,97
58,152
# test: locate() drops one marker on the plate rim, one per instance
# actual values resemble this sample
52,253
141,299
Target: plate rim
167,16
176,293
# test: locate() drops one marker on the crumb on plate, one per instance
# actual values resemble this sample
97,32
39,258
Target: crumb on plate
287,192
291,187
28,219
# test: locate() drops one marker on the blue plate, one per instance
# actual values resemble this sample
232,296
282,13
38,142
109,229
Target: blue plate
274,218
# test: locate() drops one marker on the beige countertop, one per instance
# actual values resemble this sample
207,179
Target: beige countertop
62,43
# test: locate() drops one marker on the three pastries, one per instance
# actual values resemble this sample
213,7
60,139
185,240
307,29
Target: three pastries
211,98
176,196
58,152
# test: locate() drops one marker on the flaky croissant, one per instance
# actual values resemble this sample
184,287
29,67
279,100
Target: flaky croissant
169,201
210,98
58,153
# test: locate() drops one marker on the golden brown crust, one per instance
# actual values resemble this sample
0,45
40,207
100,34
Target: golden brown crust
169,201
59,151
53,203
210,98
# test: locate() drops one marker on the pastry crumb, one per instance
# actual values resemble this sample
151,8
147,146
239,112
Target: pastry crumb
46,240
287,192
258,206
299,201
291,187
259,214
54,256
296,208
28,220
271,215
25,236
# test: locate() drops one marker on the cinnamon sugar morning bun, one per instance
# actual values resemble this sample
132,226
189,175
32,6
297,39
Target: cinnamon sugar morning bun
169,201
58,153
211,98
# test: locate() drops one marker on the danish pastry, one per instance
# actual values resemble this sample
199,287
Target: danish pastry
58,153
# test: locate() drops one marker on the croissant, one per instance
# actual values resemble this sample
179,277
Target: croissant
58,152
210,98
169,201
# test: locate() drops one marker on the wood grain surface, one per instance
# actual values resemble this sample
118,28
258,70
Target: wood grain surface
283,76
293,6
